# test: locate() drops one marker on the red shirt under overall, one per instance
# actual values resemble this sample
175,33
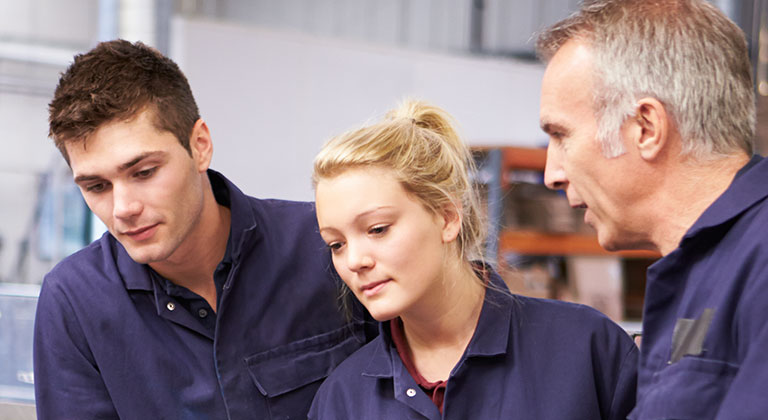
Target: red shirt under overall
435,390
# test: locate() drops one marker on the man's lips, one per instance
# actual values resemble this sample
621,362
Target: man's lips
141,233
373,288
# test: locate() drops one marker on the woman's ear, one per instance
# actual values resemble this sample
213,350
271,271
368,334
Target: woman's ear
451,223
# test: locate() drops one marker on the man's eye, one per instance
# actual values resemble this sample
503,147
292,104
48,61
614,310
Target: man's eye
96,188
146,173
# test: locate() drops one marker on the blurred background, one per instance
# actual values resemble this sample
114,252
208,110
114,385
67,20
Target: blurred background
274,79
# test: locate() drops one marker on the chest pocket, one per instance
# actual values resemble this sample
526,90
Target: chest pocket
692,388
289,375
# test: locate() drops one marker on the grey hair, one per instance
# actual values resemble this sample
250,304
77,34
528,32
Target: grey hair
685,53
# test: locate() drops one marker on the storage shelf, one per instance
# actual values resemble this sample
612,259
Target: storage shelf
540,243
524,158
531,242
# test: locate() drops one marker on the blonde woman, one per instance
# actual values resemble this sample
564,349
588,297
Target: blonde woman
396,206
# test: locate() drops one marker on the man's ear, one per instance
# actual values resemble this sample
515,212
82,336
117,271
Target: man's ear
451,216
650,128
201,145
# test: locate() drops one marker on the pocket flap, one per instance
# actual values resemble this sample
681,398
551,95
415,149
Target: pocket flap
687,389
291,366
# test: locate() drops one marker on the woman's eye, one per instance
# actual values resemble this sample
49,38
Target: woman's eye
378,230
335,246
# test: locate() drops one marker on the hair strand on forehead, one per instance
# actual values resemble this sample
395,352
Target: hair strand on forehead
419,143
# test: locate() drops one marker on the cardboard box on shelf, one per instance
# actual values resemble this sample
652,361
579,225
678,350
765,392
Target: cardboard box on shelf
533,276
534,207
597,282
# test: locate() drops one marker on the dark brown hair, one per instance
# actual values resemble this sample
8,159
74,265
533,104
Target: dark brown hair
115,81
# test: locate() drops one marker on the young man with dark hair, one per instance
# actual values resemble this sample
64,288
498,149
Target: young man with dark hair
200,302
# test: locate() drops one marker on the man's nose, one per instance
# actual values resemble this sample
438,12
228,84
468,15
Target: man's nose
126,203
554,174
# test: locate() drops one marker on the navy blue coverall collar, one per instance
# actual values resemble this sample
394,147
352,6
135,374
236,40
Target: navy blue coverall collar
491,338
747,189
137,276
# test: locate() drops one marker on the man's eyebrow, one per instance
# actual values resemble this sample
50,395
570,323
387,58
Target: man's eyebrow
86,178
552,127
125,166
139,158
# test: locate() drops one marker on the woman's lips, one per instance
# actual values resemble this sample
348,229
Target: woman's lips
371,289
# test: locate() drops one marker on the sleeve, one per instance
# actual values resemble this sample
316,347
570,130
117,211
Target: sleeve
625,388
326,405
68,384
745,397
615,360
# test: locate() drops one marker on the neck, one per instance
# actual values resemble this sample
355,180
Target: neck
686,192
193,264
438,332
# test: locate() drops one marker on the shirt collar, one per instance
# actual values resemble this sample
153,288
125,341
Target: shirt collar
747,188
136,276
491,336
243,219
381,362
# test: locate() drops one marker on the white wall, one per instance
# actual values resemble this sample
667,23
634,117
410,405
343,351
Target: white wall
37,40
428,24
65,23
27,153
271,98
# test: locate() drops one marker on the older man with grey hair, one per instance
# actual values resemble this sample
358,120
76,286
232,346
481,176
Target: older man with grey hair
649,107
